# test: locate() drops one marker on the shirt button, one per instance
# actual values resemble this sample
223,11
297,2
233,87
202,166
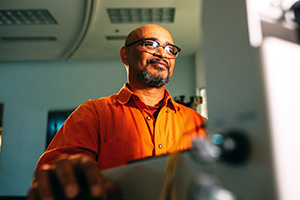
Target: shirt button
160,146
168,111
148,118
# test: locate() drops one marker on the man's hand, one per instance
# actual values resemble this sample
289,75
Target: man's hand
71,177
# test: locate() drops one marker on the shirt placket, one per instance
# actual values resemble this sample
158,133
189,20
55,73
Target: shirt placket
160,139
156,129
147,115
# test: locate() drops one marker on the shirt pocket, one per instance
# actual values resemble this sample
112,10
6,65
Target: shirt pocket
113,154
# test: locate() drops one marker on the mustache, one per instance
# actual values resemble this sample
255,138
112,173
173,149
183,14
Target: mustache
158,60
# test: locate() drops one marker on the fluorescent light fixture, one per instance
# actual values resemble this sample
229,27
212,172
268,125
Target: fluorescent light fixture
141,15
26,17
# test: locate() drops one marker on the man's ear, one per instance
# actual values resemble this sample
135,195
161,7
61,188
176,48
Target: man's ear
123,55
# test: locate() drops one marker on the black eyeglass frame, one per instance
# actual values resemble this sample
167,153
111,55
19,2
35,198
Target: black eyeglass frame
160,44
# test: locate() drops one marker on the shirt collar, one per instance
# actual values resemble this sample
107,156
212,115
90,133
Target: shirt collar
125,94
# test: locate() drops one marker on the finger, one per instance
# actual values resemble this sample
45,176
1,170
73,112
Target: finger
43,186
33,194
93,178
67,178
110,188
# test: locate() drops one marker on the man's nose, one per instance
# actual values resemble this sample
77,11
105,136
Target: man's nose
161,52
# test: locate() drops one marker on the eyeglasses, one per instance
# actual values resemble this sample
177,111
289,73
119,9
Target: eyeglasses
152,46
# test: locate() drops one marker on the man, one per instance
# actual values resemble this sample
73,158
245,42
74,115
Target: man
140,121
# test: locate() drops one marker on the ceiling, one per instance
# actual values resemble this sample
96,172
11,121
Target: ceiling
75,29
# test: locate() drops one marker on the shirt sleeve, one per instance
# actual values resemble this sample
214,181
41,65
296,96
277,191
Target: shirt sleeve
78,135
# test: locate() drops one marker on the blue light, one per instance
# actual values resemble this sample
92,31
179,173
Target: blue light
217,138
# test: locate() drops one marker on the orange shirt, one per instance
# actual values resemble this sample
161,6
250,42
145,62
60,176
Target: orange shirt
116,129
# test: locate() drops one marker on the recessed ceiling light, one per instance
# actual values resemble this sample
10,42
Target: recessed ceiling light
26,17
141,15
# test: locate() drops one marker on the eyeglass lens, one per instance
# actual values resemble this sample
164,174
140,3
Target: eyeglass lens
153,46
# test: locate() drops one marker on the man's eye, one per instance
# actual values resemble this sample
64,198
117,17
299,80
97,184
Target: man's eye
151,44
170,49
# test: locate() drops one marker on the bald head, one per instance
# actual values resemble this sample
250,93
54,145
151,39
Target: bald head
147,30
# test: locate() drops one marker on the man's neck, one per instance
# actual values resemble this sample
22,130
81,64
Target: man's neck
151,96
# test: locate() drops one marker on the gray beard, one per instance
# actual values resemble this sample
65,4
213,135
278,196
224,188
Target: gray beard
153,80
